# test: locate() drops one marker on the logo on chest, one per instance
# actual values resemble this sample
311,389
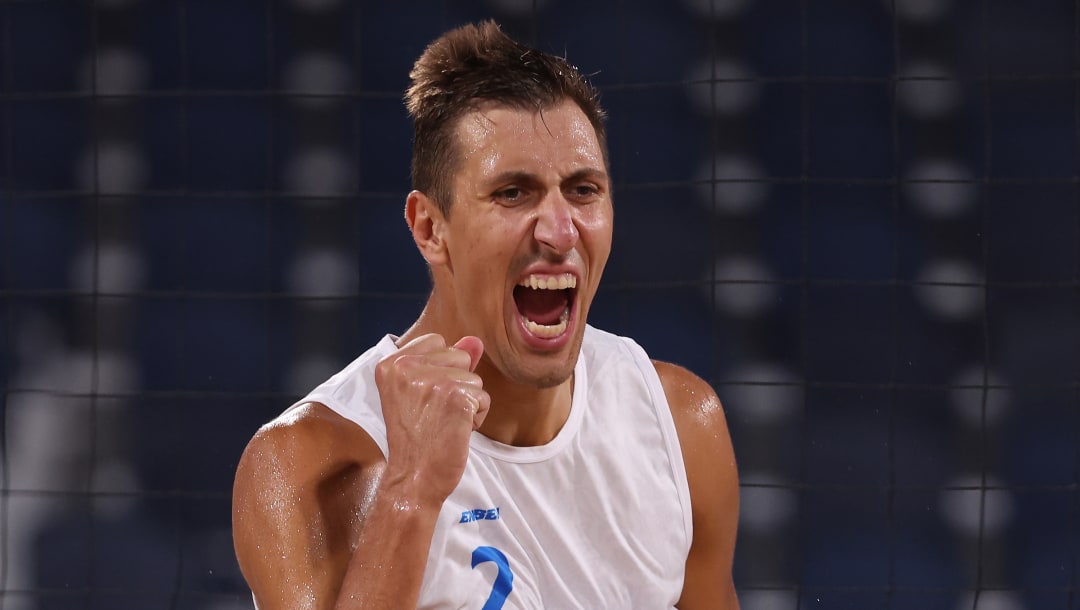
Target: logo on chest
479,514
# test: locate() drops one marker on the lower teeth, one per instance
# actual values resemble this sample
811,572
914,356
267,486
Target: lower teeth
545,331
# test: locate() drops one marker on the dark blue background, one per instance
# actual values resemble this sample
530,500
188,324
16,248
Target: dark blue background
858,439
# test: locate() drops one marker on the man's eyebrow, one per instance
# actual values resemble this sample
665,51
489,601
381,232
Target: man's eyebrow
587,173
514,176
528,178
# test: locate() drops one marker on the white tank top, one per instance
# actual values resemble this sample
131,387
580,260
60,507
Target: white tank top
597,518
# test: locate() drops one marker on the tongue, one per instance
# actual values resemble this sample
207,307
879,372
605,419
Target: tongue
541,306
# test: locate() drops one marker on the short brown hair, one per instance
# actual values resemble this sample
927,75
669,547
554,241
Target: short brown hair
478,63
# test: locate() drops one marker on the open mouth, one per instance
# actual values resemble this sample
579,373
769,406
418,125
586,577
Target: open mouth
544,303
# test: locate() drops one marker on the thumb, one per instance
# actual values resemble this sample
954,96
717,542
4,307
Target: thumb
474,346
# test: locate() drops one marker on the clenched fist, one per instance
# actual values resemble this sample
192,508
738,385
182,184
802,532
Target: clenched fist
432,401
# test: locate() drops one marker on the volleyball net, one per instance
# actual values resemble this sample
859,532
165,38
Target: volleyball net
860,221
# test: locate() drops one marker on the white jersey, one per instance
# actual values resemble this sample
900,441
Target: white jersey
597,518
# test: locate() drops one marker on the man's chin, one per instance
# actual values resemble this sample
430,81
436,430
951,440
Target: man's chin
543,366
554,380
544,374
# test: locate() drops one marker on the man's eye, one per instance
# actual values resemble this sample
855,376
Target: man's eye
585,192
509,195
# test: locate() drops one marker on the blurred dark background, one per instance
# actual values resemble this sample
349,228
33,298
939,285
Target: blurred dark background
859,220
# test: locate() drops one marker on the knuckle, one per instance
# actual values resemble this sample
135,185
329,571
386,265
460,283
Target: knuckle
382,369
434,341
461,395
390,367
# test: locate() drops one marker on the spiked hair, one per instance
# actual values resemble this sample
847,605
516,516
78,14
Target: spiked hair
473,65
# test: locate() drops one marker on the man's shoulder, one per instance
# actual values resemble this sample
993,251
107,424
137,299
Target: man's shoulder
305,441
305,422
345,407
690,397
297,488
685,390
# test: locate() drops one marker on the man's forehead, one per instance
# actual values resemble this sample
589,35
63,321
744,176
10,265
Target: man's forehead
494,125
491,117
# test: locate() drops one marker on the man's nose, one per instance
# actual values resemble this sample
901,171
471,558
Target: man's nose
555,229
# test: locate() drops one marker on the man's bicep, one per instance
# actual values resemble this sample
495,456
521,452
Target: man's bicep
270,527
714,488
708,580
297,509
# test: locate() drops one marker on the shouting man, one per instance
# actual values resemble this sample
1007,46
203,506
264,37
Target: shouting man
500,453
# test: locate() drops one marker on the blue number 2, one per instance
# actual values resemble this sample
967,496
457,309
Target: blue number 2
504,580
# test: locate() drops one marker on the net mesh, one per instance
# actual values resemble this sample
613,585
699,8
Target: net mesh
859,221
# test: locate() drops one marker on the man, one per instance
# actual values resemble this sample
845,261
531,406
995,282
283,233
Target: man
499,453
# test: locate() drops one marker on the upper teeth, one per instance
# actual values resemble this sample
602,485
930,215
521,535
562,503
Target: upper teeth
561,282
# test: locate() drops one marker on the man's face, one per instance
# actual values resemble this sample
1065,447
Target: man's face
527,237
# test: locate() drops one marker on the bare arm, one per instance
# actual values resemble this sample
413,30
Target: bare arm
387,569
321,521
714,488
310,503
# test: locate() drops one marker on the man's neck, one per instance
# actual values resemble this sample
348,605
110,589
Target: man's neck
523,415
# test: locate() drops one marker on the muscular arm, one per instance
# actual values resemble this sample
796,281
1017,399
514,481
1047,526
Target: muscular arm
309,493
714,488
321,521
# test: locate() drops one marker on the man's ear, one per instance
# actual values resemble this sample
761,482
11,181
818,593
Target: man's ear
426,223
